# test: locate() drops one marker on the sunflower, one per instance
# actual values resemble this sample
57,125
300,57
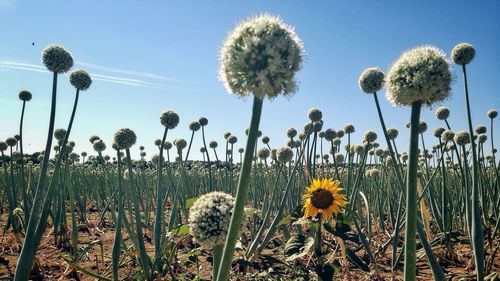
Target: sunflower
323,196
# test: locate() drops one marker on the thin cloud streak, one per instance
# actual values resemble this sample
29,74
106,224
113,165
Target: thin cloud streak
7,64
130,72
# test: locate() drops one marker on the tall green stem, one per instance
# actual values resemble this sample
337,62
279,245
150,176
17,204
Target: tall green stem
23,180
410,269
241,193
159,203
477,229
25,261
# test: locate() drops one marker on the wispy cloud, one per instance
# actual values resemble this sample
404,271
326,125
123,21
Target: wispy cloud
129,72
135,77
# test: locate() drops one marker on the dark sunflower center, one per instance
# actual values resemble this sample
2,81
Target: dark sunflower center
321,198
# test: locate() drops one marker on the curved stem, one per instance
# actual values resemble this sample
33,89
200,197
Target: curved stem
25,261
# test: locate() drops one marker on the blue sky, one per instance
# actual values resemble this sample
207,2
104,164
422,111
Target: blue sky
146,58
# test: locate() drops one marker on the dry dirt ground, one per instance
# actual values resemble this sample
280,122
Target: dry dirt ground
51,261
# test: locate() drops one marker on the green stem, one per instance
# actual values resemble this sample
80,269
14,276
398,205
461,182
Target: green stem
410,269
477,230
241,193
159,205
23,180
216,258
25,261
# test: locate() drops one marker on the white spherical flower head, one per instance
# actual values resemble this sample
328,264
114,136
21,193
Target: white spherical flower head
315,114
261,56
371,80
169,119
57,59
209,218
80,79
419,75
463,53
125,138
284,154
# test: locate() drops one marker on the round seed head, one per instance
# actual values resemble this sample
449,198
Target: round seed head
57,59
463,53
16,156
99,146
392,133
241,150
336,141
315,114
321,134
125,138
72,144
80,79
156,159
462,138
59,134
480,129
482,138
232,139
157,142
330,134
359,149
492,113
291,133
167,145
349,129
371,80
213,144
25,95
3,146
284,154
298,143
181,143
370,136
93,138
419,75
438,132
203,121
263,153
447,136
265,140
261,56
339,158
442,113
169,119
209,218
340,133
227,135
11,141
422,127
317,126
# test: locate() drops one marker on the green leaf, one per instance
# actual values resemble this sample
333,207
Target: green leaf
286,220
297,213
190,202
183,229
